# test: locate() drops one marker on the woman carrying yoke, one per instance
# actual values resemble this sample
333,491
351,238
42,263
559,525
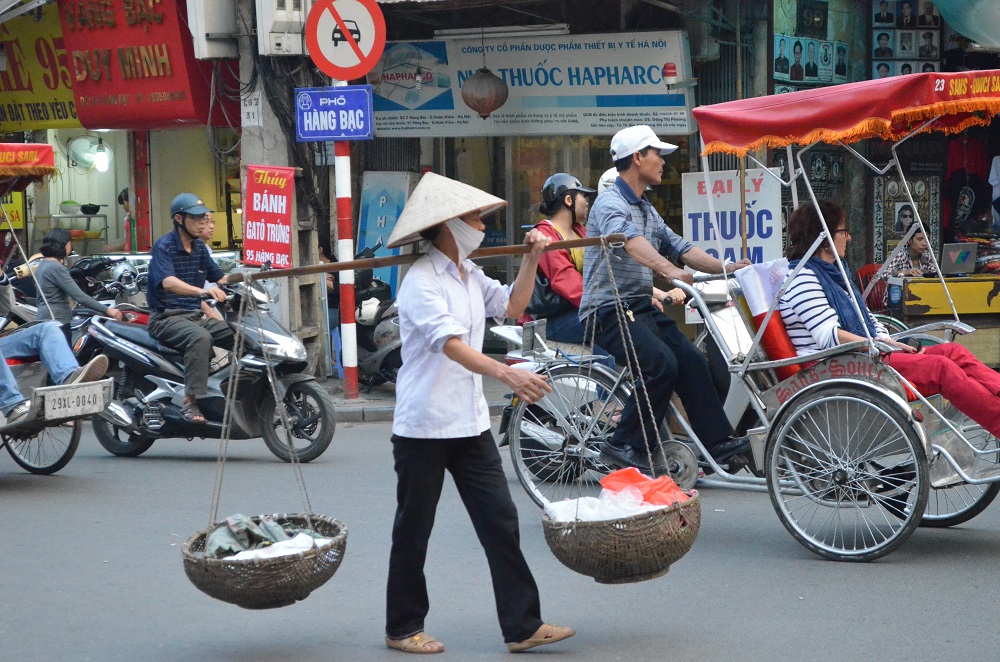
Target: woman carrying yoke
441,420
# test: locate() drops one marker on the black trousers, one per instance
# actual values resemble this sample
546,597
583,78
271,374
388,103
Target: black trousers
668,362
474,463
194,334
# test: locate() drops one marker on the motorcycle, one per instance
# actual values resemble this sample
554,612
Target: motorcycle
126,291
379,342
149,384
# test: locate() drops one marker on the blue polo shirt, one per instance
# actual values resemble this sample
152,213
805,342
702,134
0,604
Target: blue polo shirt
170,259
618,209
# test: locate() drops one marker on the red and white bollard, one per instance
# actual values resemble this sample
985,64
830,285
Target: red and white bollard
345,251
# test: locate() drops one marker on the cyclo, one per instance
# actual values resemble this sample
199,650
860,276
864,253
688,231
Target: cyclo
854,458
45,439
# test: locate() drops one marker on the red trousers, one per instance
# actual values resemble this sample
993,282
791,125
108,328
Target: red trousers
951,370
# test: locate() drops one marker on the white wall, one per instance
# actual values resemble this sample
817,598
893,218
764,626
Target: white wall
181,163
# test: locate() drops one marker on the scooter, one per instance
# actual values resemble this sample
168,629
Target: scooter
149,383
379,342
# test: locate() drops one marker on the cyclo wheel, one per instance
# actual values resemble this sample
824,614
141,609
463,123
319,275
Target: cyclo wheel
47,450
846,471
956,504
555,444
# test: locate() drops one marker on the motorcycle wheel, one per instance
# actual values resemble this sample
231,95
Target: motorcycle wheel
118,442
313,421
114,439
48,450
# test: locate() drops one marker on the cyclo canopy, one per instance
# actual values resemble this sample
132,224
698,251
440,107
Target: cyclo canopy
24,163
887,108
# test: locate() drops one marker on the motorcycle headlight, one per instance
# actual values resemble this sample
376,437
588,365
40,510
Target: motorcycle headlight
289,349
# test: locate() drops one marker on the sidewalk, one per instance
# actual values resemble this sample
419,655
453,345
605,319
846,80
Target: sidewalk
379,403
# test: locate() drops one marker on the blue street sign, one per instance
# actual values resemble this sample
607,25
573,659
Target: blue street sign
326,114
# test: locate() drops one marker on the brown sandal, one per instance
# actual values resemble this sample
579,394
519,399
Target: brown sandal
547,634
192,414
416,644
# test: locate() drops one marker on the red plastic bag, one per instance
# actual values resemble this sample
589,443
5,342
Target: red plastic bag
662,491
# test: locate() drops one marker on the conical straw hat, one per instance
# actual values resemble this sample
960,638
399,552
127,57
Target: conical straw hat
437,199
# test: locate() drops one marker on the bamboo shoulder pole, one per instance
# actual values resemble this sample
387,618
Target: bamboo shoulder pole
390,260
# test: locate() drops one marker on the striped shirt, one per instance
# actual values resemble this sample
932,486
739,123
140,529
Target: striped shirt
811,322
618,210
170,259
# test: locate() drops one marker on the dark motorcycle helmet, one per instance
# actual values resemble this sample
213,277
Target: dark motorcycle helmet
558,185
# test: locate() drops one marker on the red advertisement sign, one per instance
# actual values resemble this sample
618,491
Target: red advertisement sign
267,216
133,67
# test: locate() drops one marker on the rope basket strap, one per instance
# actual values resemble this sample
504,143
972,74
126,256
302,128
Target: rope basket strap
631,549
269,582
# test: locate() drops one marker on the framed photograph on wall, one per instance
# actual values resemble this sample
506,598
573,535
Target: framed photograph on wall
781,60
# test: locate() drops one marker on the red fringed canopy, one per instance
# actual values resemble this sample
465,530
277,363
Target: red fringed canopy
24,163
887,108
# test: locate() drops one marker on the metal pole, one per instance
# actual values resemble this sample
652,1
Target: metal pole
743,161
345,251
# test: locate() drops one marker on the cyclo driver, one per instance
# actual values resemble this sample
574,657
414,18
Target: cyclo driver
178,271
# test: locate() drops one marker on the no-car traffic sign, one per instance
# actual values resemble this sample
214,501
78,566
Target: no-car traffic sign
345,38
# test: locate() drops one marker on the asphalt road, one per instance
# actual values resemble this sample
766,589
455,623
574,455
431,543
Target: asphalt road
90,569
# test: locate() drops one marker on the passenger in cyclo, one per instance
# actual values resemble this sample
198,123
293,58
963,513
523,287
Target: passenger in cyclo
178,271
667,360
913,260
441,422
46,341
559,284
818,315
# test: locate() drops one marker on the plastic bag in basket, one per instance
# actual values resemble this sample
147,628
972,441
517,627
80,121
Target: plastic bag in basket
662,491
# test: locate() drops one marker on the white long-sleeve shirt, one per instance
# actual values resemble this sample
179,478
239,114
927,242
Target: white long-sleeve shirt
436,398
810,320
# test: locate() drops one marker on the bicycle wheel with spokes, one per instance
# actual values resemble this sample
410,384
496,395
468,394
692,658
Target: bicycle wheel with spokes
47,450
955,504
847,472
555,444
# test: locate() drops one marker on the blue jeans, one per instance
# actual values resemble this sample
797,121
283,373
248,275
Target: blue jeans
44,340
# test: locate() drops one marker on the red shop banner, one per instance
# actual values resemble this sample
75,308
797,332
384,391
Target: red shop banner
133,66
267,216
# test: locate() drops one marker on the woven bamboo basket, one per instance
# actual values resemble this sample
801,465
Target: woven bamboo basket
273,582
631,549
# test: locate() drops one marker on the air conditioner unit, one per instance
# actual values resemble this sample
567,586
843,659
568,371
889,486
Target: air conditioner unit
213,29
280,24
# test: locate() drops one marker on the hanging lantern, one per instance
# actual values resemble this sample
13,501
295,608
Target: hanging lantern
484,92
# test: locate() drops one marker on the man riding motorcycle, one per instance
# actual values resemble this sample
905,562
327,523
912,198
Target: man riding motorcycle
179,268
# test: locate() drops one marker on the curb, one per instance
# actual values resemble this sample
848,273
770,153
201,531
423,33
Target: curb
378,406
360,411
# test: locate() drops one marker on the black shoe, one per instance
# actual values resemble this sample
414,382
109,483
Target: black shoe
630,456
727,448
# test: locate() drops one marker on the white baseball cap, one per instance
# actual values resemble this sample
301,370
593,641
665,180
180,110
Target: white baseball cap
629,141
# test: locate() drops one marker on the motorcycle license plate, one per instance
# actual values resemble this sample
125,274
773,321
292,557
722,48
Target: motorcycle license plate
75,400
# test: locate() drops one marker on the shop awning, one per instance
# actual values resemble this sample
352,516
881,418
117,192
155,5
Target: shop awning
978,20
887,108
23,163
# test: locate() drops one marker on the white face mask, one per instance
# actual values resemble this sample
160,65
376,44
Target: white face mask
466,237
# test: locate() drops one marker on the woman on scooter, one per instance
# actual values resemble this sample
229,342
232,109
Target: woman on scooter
559,285
58,287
